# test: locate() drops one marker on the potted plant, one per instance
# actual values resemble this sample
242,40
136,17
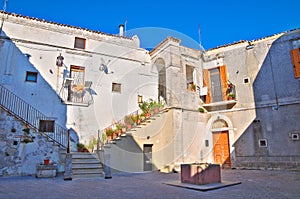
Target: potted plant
193,87
155,106
231,96
109,133
118,129
80,147
26,131
46,161
201,110
128,121
134,119
145,107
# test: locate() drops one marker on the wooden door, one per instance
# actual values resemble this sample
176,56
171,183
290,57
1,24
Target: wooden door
221,149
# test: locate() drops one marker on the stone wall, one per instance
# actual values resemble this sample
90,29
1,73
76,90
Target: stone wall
20,152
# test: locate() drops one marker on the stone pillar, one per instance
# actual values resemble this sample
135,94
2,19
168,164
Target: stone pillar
107,166
68,167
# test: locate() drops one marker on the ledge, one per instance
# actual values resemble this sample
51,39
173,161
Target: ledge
217,106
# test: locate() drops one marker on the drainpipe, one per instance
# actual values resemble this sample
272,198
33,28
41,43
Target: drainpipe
273,79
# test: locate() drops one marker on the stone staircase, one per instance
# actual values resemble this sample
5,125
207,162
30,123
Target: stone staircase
86,165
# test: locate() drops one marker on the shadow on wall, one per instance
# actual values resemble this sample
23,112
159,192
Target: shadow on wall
127,156
21,77
25,80
276,97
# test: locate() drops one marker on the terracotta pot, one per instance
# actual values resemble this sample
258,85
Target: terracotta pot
46,162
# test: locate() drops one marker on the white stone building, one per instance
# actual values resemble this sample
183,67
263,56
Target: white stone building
236,105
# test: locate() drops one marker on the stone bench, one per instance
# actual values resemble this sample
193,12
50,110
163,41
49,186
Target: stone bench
46,171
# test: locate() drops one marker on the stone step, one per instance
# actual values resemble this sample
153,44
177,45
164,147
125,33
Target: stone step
78,155
87,171
86,161
86,166
82,176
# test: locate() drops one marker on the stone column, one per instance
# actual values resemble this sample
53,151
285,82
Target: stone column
68,167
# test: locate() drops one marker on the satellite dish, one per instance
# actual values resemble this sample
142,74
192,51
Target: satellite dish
103,68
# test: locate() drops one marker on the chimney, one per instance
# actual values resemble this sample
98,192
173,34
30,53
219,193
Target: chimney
121,27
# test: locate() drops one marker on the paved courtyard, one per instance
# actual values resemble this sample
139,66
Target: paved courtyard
254,184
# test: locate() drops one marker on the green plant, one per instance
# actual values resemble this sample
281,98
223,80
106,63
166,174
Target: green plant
109,132
92,142
155,105
26,130
231,95
118,127
201,110
145,107
27,140
134,118
193,86
128,119
104,137
80,146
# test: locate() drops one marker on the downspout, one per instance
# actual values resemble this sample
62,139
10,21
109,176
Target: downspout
273,79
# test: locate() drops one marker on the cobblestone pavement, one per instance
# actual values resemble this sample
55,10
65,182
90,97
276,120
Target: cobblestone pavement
254,184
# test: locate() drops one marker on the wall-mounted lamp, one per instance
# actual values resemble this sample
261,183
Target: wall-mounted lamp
60,60
140,99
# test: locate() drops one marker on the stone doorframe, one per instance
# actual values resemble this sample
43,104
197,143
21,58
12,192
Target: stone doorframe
229,128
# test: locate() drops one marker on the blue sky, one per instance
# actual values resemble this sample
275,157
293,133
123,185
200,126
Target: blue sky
221,22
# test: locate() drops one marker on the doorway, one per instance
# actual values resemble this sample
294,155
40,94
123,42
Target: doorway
221,149
147,157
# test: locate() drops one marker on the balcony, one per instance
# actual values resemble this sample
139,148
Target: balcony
228,102
217,106
76,95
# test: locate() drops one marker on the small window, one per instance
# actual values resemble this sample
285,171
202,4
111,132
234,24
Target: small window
31,76
189,75
263,143
206,143
79,43
246,80
295,136
46,126
116,87
140,99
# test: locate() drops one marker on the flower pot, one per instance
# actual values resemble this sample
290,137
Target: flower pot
46,162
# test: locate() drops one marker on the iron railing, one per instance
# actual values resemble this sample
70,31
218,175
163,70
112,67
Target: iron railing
31,116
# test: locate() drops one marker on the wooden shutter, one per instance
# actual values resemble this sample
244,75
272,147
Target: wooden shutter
207,84
295,55
224,80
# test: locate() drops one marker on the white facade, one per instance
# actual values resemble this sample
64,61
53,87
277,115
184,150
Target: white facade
33,45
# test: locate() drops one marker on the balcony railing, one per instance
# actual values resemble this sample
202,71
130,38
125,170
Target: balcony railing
31,116
227,103
80,95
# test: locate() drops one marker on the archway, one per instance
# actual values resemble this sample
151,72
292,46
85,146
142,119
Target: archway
221,134
221,147
162,85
